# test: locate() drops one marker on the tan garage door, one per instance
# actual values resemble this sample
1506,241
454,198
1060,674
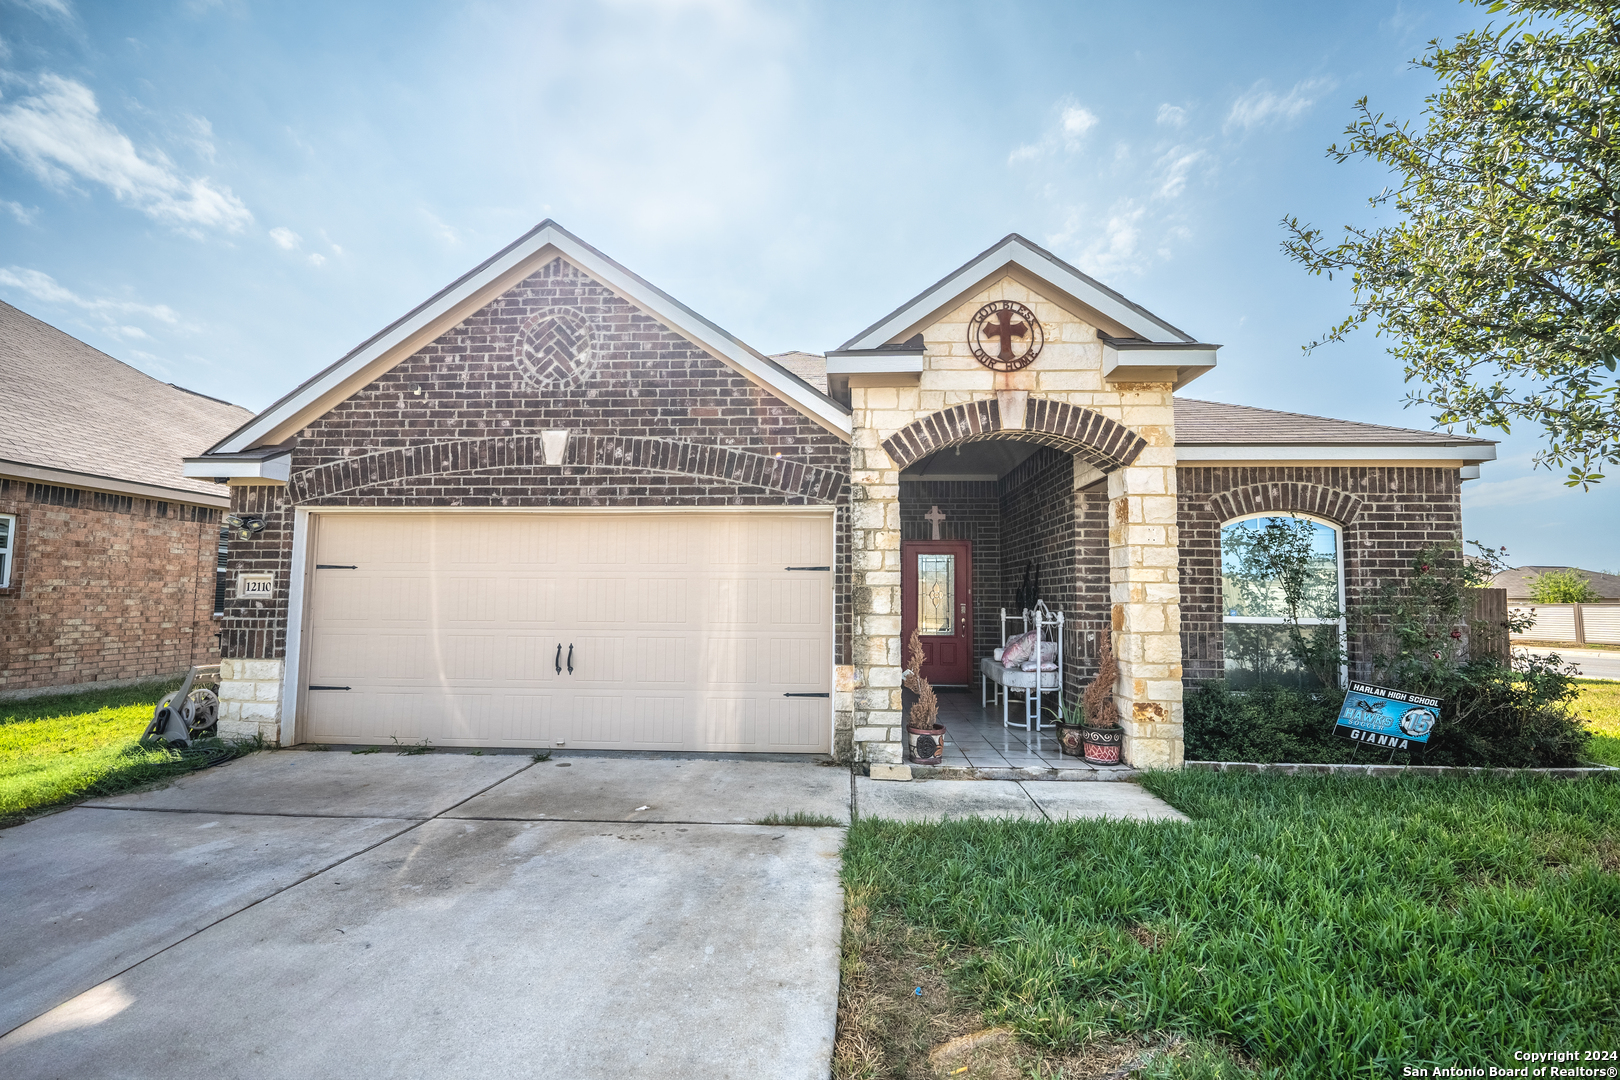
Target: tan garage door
686,631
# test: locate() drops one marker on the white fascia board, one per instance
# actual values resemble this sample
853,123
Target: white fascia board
654,300
873,363
1472,454
277,467
111,485
1143,364
1035,262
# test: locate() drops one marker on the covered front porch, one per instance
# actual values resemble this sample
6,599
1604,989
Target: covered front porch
975,740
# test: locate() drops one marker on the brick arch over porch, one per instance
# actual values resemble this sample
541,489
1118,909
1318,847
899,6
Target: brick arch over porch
1318,500
522,452
1088,435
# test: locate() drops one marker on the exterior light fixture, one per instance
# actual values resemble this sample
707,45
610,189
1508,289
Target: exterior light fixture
246,527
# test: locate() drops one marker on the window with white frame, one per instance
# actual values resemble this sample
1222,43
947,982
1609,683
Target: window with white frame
8,547
1275,570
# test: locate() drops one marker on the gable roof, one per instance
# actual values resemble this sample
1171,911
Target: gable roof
1517,581
70,414
1011,251
479,286
1213,423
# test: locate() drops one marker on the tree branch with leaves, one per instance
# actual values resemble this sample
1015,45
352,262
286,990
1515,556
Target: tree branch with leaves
1499,285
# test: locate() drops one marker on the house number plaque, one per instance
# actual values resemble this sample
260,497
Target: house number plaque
260,585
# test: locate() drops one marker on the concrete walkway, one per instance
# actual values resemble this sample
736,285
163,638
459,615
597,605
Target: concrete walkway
946,800
335,915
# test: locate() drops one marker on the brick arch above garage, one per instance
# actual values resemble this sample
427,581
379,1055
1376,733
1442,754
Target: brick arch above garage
1089,435
463,457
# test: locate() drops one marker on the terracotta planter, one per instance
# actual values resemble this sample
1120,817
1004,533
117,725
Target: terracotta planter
1071,739
1103,744
926,746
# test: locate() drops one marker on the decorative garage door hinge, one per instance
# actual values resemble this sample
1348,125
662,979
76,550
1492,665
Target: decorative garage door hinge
807,568
330,688
806,695
333,566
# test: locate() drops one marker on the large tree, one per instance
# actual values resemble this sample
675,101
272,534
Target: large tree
1499,281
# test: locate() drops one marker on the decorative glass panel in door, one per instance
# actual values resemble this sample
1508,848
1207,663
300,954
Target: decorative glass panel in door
936,595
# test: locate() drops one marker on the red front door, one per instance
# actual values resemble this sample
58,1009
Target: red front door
936,598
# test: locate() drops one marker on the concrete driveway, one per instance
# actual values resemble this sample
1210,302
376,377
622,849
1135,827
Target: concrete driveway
310,915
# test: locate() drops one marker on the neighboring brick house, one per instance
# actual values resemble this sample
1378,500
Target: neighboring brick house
552,506
109,555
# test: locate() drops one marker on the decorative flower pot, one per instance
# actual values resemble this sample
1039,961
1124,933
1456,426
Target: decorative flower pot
1071,739
926,745
1103,744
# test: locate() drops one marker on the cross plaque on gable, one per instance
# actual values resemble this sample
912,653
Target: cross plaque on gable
934,517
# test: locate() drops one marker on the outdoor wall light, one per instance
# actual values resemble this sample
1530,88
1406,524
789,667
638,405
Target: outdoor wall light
246,527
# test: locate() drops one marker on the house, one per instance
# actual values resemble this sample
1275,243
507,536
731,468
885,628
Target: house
1517,583
553,506
109,555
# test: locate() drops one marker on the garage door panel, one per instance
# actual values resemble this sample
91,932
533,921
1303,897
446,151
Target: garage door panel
687,630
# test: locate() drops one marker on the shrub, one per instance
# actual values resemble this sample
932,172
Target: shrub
1266,724
1566,586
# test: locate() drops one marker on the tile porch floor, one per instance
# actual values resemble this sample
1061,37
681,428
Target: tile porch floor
975,738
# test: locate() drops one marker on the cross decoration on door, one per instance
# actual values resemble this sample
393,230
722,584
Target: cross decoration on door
934,517
1005,336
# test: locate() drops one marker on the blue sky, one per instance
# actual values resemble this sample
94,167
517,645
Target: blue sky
231,195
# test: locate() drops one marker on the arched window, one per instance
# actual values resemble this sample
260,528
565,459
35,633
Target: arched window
1277,570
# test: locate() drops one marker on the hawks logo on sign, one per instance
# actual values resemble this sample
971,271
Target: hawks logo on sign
1005,336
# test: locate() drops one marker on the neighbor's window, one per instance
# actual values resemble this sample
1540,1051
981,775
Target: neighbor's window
220,575
8,541
1274,567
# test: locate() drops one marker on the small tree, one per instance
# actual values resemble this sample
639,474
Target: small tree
925,713
1566,586
1497,282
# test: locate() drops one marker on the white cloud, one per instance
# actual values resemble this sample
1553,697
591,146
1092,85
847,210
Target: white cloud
24,214
1260,105
60,135
1074,120
1114,245
317,260
41,286
440,229
1171,116
1177,163
285,238
49,9
1537,487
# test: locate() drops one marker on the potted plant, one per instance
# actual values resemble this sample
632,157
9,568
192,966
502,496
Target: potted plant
925,735
1070,730
1102,734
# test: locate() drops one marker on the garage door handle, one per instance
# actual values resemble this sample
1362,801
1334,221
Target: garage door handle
807,568
558,658
806,695
329,688
570,657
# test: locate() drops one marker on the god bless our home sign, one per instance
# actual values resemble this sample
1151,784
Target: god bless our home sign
1388,719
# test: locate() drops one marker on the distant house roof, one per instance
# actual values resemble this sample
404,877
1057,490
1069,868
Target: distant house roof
72,415
811,367
1212,423
1517,582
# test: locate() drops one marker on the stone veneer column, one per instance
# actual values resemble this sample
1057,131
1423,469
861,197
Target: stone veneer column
874,507
1144,554
250,699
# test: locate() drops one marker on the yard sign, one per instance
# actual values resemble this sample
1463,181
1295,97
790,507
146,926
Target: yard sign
1390,719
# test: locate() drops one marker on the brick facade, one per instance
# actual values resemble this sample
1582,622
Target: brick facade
105,587
1386,515
655,421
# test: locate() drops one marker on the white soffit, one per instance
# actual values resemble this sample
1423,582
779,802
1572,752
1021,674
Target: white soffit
1274,452
1017,251
444,307
277,467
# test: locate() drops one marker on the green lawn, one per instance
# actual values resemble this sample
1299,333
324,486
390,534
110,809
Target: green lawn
1599,706
59,749
1310,926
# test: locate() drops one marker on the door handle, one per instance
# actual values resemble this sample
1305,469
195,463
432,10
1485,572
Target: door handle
558,658
570,657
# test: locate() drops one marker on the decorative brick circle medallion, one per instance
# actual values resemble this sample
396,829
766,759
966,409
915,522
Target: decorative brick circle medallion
1005,336
553,348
